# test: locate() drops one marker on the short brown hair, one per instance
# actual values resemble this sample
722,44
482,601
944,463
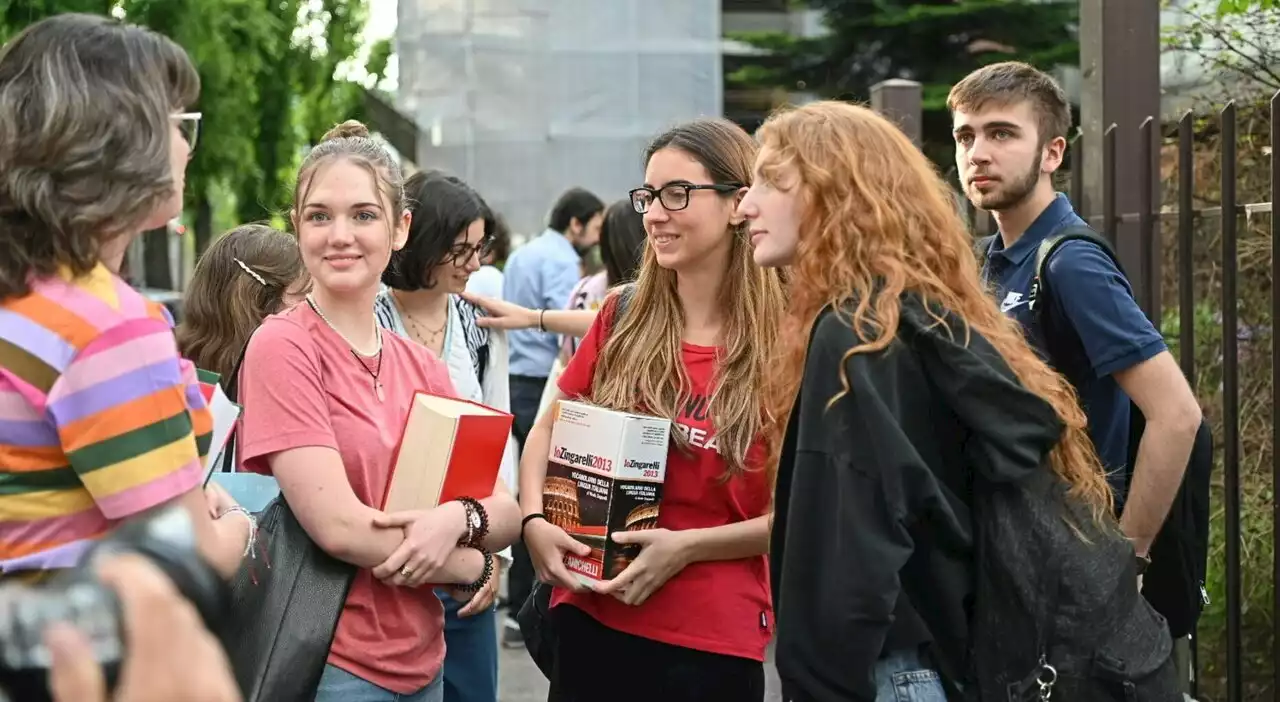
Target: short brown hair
1010,83
85,105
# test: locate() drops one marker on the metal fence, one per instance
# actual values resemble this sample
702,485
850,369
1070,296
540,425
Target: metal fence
1142,261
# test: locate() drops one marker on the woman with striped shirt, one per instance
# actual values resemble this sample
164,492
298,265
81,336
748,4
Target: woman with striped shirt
100,419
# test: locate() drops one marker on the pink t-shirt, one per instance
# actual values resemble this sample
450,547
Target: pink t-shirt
301,386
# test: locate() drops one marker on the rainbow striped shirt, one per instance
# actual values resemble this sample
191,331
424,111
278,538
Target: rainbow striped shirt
100,418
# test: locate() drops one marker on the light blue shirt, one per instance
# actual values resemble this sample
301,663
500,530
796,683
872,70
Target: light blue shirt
539,275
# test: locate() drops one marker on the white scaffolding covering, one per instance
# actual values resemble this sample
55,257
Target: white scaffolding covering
526,98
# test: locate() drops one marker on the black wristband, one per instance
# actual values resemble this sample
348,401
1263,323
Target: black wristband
529,518
484,575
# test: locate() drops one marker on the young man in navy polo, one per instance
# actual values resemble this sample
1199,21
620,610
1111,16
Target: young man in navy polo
1010,123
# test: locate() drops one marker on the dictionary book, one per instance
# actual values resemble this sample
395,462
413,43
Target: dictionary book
604,475
449,448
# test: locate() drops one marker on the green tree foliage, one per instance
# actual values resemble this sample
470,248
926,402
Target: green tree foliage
1240,7
935,42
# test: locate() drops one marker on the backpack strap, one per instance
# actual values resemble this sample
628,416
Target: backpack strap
625,295
981,247
1048,248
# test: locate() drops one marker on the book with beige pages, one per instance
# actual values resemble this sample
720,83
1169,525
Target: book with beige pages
604,475
449,448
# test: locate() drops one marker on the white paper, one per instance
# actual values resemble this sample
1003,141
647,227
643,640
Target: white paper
225,413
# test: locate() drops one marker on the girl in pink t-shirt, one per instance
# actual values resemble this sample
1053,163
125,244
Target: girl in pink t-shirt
325,396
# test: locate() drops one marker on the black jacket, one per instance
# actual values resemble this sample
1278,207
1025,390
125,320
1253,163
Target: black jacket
872,511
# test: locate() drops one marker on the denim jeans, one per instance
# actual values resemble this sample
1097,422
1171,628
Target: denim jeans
471,653
526,394
337,685
902,676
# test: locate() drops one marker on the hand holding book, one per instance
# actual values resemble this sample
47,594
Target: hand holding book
548,544
430,536
663,554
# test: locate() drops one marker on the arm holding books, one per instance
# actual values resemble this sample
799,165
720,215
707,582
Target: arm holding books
315,483
664,553
288,432
547,543
427,533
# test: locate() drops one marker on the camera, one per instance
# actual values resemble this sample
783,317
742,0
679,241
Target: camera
78,597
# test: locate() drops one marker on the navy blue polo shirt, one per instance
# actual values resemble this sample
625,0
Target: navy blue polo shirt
1095,325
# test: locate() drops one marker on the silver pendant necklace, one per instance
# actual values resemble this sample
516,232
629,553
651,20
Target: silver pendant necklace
377,384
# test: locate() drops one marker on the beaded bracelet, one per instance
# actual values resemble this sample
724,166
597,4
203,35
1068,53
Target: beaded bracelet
484,575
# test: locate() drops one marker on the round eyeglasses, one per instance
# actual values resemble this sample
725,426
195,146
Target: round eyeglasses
459,254
673,196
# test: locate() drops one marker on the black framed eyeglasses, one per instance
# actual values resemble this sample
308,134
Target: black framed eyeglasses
674,196
459,254
189,126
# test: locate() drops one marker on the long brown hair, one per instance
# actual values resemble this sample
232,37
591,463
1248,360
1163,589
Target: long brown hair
238,282
879,222
640,366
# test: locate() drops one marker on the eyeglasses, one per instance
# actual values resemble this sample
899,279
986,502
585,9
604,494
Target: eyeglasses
461,253
674,197
189,125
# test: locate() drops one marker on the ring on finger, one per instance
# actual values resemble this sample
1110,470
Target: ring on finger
406,572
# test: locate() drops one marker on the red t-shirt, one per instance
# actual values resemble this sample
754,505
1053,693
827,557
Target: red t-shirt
301,386
714,606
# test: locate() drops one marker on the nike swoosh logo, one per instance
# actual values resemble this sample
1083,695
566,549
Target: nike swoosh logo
1005,306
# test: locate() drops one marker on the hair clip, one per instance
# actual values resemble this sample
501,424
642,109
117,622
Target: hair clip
250,271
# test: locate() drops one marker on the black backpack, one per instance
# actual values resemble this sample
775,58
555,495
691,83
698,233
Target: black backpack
1048,573
1174,583
1054,612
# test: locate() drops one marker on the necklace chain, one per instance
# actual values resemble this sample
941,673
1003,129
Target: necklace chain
421,328
377,385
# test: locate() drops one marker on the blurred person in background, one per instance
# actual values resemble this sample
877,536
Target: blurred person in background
622,240
488,280
100,414
541,274
248,274
448,237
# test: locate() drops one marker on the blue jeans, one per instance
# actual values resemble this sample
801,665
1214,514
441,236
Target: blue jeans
337,685
902,676
471,653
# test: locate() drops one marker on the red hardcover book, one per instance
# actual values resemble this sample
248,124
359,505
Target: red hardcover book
449,448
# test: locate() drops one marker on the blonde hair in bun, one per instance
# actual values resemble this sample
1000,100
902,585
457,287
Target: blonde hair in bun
350,129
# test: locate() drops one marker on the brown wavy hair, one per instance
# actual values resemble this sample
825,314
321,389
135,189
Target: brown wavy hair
640,366
225,303
879,222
